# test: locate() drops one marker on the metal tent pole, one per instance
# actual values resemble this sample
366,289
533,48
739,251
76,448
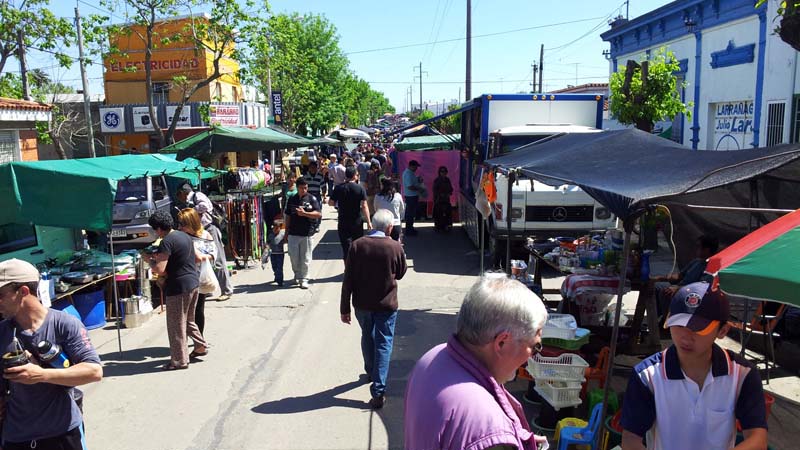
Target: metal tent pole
116,293
512,176
626,249
481,230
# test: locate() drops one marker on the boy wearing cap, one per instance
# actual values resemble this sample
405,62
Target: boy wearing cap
38,406
691,394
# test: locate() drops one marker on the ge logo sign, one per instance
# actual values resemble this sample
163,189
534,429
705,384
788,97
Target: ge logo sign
111,119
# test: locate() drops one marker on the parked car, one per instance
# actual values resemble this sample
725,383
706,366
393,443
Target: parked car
136,200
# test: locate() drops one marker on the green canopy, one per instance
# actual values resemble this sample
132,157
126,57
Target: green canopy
79,193
235,139
434,142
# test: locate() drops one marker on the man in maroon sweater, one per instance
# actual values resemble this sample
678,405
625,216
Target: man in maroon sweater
372,268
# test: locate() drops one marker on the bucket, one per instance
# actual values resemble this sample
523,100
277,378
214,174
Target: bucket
92,308
130,305
613,437
67,307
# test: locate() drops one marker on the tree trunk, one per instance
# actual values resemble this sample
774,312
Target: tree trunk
644,125
57,145
148,74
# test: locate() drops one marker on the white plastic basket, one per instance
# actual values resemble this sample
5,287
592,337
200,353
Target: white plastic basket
566,367
559,394
560,326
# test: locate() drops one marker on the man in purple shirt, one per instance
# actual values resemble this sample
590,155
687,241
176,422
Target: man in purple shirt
455,397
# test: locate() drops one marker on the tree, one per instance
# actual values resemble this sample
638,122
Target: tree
302,57
789,28
40,27
229,24
644,93
450,124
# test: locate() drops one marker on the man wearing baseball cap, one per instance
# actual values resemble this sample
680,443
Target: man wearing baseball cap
39,408
412,187
691,394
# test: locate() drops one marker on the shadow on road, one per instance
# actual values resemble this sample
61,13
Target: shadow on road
320,400
328,247
436,252
135,361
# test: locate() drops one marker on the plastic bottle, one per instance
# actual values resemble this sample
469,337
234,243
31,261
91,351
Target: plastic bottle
51,354
645,270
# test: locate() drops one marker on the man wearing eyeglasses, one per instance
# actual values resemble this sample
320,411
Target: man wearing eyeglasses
455,397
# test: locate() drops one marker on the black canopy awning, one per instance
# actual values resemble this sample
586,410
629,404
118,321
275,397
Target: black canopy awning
463,108
627,170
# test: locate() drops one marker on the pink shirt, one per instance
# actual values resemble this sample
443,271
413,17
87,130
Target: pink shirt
453,402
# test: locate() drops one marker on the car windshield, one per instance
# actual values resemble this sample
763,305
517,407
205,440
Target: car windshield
134,190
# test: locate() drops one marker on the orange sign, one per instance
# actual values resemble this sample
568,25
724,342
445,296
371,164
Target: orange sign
155,64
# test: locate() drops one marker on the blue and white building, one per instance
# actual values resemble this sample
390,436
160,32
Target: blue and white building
741,77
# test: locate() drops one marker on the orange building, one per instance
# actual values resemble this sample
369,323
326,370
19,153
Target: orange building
18,137
125,120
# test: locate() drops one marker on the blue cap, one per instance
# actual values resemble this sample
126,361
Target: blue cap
698,308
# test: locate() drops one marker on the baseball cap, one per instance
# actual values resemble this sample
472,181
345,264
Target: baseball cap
17,271
699,308
414,162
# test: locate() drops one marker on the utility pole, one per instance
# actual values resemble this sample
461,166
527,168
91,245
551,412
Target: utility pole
87,107
533,84
23,65
420,85
459,95
541,68
468,78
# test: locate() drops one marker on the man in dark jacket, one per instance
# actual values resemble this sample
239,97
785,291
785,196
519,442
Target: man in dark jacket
373,266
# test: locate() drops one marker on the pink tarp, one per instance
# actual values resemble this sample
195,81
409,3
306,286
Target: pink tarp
429,169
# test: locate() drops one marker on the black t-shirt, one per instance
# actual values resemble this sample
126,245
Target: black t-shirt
182,273
299,225
348,197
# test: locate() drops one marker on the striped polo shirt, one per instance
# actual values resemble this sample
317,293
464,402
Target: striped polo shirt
314,183
670,410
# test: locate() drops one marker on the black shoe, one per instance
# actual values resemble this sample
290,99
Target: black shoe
377,402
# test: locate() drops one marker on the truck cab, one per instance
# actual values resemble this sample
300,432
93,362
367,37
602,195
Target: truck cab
537,209
134,203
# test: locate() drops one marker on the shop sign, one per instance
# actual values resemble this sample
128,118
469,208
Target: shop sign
112,120
225,115
733,125
156,65
277,106
142,120
185,119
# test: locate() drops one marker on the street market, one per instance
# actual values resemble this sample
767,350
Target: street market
247,242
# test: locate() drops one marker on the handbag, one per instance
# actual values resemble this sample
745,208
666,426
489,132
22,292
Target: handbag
208,280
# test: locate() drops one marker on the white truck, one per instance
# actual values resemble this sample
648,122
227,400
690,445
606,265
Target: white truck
493,125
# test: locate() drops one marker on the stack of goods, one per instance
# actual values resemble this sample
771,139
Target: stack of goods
591,255
246,229
246,179
559,378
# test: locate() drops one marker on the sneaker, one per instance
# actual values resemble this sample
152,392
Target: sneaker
304,284
224,297
377,402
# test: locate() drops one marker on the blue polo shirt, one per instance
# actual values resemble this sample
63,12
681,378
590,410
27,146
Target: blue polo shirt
670,410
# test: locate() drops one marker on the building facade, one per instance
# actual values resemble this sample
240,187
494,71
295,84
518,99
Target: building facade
125,120
740,76
18,136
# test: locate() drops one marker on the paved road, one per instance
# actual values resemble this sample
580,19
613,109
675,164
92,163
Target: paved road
283,371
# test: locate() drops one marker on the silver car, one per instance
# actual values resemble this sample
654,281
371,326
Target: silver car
135,202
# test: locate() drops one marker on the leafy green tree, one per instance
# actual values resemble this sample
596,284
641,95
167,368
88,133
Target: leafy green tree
222,35
40,27
450,124
647,92
789,15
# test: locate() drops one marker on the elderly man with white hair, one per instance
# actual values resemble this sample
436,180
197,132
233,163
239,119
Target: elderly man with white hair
455,397
374,264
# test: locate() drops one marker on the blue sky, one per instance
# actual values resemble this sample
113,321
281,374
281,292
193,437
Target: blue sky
570,32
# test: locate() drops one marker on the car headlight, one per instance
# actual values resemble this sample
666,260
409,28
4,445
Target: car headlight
143,214
516,213
602,213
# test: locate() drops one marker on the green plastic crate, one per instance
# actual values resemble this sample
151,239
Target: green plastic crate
581,339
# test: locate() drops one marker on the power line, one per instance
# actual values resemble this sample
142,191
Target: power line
475,36
596,27
492,81
111,14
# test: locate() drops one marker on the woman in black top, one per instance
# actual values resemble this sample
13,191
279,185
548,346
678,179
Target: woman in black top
442,210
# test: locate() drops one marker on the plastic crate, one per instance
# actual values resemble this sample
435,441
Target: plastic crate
567,367
559,394
560,326
581,339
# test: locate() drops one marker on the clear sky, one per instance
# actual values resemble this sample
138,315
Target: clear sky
501,63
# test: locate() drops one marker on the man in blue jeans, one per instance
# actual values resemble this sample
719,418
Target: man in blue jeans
372,268
412,186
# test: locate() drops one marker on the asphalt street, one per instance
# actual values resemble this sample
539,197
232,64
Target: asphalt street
283,372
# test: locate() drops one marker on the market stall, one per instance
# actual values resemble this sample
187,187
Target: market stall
80,194
617,169
431,152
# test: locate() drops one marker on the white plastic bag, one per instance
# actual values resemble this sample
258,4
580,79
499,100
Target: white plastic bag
208,281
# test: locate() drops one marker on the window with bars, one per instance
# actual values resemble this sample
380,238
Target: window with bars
8,146
796,119
775,123
160,93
